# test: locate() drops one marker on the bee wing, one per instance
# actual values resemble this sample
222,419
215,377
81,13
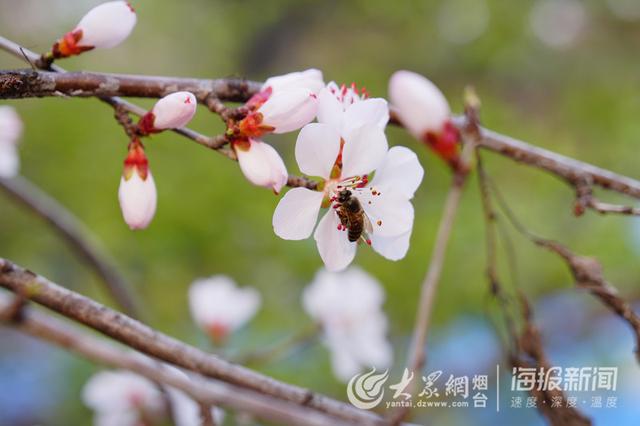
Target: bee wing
368,227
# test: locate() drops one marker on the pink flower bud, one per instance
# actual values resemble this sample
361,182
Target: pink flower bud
137,192
421,106
261,164
103,27
174,110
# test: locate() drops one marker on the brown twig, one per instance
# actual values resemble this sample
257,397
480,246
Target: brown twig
79,238
268,354
205,391
232,90
153,343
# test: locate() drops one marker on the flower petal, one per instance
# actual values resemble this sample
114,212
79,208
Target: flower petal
174,111
330,110
392,248
317,148
390,213
289,110
364,150
9,160
107,25
138,200
262,165
297,213
421,106
374,111
309,79
334,247
401,171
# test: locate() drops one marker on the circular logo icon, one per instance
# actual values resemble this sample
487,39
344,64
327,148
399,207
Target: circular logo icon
365,390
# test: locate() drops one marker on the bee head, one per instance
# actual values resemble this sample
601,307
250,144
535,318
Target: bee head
344,195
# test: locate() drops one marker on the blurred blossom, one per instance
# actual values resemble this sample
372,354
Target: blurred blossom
219,307
10,132
348,306
558,23
123,398
626,10
462,21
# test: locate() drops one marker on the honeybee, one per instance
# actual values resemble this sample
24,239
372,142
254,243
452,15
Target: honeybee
352,216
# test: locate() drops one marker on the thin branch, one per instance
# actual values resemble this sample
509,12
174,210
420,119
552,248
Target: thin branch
217,143
586,271
158,345
79,238
278,349
205,391
27,83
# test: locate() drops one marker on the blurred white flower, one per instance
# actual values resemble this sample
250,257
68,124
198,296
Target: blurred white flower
219,307
558,23
10,132
122,398
463,21
261,164
284,104
137,192
171,112
626,10
103,27
348,306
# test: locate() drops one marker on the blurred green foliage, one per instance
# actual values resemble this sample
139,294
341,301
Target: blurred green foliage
582,101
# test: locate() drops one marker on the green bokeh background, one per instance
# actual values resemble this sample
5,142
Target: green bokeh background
582,102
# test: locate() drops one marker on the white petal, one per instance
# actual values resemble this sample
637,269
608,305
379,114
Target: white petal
9,160
372,112
310,79
107,25
390,213
330,110
317,148
262,165
174,110
363,151
335,249
343,362
137,200
297,213
289,110
421,106
392,248
10,125
114,391
400,171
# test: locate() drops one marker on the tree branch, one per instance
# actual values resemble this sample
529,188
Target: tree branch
77,236
158,345
205,391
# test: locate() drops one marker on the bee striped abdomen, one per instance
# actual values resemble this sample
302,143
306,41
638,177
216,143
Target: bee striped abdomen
355,216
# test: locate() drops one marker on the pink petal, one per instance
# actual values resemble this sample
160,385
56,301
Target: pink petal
400,171
262,165
330,110
392,248
289,110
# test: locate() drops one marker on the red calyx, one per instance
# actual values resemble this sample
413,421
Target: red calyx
136,161
218,333
145,124
445,143
251,126
68,45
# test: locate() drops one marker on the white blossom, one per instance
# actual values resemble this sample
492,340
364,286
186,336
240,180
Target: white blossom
219,307
10,132
137,192
348,306
261,164
343,149
421,106
285,103
122,398
106,25
174,111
